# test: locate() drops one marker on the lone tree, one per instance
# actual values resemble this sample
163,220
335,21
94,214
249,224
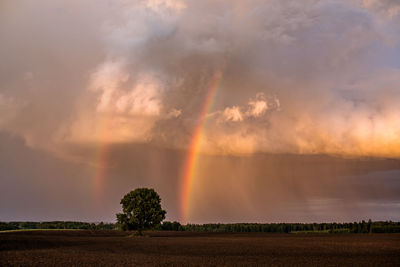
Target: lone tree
141,210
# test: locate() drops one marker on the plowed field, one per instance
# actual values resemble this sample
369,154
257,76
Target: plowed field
114,248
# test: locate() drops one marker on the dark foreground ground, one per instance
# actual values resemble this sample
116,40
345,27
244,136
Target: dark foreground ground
84,248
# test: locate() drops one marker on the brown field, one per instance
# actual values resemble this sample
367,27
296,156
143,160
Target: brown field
93,248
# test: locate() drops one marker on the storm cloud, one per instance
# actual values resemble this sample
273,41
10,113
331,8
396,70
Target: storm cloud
299,78
142,69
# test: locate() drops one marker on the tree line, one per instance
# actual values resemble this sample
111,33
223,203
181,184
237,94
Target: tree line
57,225
353,227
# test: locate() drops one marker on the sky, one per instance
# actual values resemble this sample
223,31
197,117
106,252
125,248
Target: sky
233,111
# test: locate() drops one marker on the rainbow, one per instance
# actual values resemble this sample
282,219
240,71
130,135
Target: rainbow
99,176
190,167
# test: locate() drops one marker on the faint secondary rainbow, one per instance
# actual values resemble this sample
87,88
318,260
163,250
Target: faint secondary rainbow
190,167
99,176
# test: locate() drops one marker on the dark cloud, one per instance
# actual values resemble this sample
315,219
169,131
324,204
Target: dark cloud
38,186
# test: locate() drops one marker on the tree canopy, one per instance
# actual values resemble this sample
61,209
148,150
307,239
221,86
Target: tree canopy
141,209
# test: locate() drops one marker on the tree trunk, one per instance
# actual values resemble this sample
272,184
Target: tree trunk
139,231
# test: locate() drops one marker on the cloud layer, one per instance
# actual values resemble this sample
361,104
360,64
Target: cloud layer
301,77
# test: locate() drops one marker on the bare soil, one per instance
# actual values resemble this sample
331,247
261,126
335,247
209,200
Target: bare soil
114,248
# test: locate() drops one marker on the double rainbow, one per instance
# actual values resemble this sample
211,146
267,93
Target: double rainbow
192,159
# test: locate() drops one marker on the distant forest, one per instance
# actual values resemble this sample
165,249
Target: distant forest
354,227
